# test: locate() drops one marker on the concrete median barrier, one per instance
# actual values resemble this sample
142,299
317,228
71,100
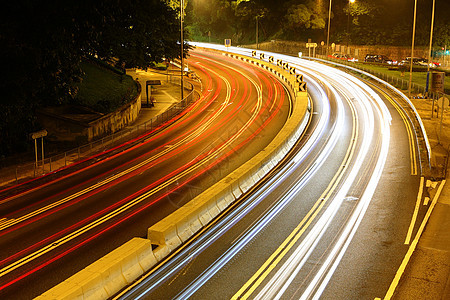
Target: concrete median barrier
108,275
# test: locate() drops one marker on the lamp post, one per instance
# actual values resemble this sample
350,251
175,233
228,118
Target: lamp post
256,32
431,44
348,21
412,49
328,31
182,45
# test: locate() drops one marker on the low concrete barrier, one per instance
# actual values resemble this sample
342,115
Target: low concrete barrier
108,275
212,201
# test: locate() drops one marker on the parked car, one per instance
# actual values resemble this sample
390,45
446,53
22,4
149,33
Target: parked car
376,58
419,62
343,56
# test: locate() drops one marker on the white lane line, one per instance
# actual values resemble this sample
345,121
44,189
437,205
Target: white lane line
416,211
413,246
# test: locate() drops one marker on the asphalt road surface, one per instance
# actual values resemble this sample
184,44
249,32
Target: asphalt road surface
53,227
334,221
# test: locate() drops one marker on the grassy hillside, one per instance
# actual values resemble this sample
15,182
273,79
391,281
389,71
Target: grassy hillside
104,90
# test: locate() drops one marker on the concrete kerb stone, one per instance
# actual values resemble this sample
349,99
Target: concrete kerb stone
187,216
108,275
164,233
119,268
63,291
91,285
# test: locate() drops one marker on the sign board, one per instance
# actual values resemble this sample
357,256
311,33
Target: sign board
286,66
271,59
299,78
291,70
443,102
153,82
437,82
38,134
261,56
253,53
279,62
227,42
302,87
311,45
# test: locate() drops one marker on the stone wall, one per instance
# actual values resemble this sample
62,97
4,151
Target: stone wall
81,125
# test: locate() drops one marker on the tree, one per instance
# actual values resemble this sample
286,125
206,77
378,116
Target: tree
43,43
304,16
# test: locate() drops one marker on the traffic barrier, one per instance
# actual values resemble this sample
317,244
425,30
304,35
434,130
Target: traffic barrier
105,277
164,233
108,275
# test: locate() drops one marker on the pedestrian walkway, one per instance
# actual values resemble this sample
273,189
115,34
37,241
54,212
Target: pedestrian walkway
427,275
165,96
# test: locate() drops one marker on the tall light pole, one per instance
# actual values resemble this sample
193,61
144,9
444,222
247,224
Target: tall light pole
182,45
328,31
256,32
431,44
412,49
348,21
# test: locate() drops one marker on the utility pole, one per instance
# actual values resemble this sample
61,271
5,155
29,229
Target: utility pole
431,44
182,46
328,33
256,32
412,50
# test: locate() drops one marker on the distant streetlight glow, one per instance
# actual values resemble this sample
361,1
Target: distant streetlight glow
348,22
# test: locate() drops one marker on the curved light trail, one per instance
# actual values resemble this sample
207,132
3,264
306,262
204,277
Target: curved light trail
255,111
369,108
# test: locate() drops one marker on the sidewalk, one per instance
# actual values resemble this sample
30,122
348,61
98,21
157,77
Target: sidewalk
164,96
427,275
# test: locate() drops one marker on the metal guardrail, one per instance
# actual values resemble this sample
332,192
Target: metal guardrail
11,175
390,82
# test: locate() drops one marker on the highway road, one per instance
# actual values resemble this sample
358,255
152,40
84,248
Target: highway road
334,222
55,226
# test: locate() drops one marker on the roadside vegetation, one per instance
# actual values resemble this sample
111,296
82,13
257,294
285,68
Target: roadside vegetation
418,77
45,42
104,90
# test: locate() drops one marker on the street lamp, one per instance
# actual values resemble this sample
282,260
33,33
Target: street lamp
257,32
412,49
348,21
431,44
328,31
182,46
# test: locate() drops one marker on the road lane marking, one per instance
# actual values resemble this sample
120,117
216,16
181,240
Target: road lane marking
416,211
45,249
194,134
255,281
409,130
413,246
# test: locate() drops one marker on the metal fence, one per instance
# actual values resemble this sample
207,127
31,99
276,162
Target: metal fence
409,109
399,83
11,175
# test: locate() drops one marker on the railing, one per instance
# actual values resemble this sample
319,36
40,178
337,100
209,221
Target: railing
11,175
405,103
394,80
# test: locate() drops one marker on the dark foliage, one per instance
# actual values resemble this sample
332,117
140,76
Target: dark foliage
43,43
